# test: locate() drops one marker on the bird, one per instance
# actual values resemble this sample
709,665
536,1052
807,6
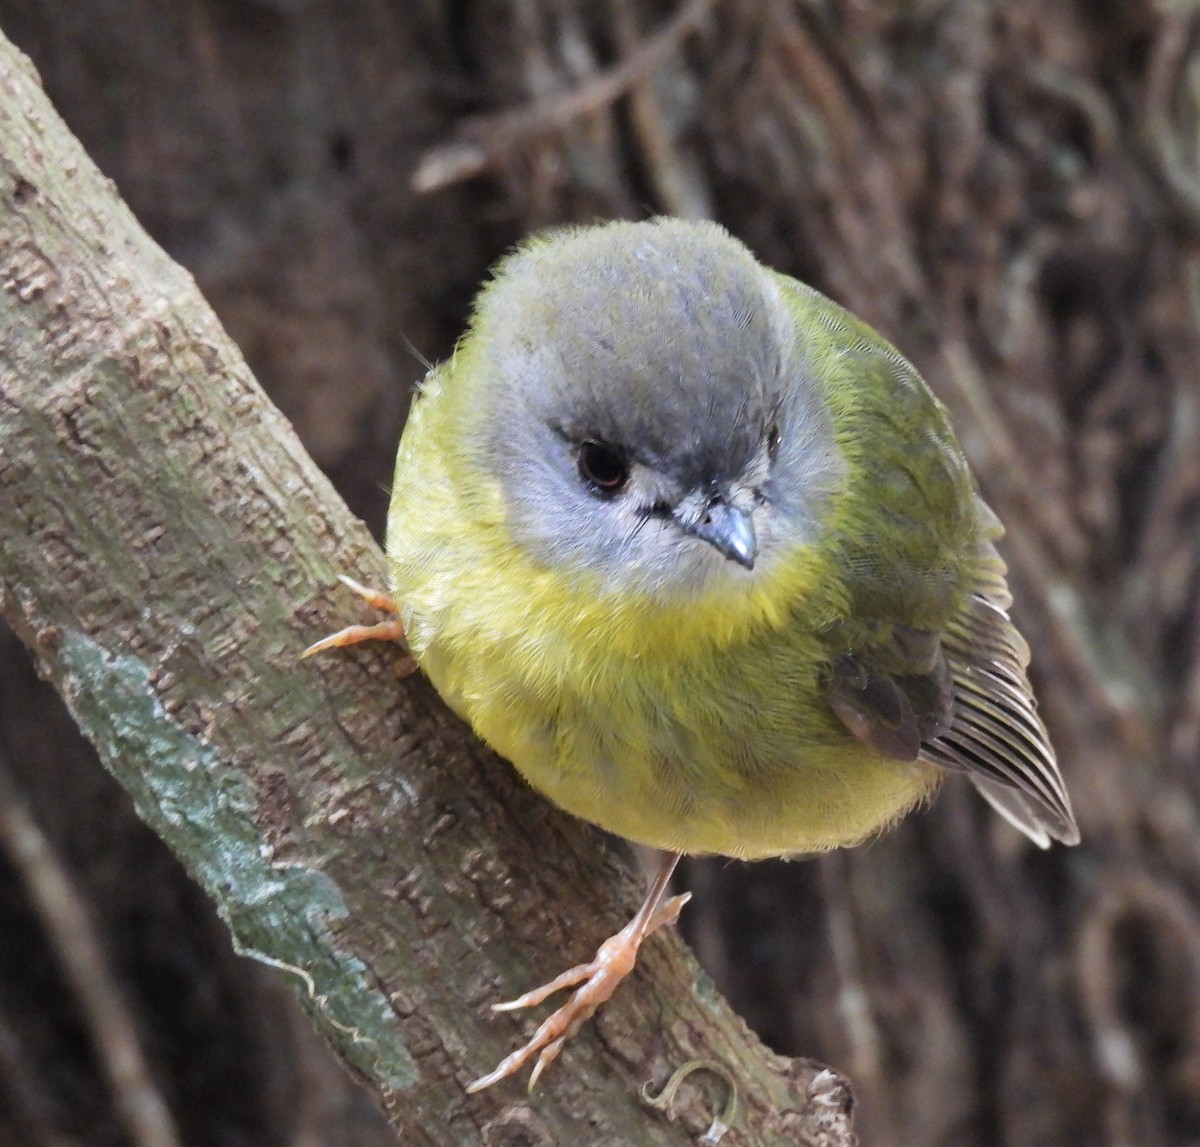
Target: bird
698,552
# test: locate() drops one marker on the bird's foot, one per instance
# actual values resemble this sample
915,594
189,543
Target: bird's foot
391,630
614,960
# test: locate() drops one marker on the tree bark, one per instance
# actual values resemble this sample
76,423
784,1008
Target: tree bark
167,549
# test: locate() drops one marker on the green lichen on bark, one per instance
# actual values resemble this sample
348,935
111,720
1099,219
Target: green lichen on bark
205,810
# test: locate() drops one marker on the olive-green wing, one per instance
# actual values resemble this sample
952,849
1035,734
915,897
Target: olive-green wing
997,737
961,699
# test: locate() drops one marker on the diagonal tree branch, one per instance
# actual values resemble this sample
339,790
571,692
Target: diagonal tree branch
166,550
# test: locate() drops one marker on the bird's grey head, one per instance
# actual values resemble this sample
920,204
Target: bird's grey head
651,413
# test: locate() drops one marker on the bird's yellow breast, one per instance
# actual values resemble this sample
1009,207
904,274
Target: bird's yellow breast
695,724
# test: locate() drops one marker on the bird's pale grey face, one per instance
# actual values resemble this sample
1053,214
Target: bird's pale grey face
652,418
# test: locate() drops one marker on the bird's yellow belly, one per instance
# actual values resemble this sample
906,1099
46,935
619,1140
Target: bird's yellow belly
696,764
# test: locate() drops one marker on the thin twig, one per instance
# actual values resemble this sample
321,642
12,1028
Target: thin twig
25,1093
1162,136
854,998
675,176
70,932
482,139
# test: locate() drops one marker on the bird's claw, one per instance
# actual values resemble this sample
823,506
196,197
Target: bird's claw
392,630
614,960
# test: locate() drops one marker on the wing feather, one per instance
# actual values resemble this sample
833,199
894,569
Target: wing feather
996,736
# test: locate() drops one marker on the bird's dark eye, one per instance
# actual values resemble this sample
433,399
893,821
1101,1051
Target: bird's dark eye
604,468
773,441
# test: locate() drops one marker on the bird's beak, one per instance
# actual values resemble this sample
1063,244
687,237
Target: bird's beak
724,526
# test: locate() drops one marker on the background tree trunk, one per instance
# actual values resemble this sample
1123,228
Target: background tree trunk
1009,190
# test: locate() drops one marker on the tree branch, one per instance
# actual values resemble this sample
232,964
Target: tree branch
166,550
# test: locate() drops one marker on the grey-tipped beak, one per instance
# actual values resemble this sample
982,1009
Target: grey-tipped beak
728,529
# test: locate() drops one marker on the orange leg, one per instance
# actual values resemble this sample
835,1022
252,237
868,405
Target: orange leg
392,630
613,961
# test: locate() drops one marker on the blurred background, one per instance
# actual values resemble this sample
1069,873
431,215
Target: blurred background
1009,190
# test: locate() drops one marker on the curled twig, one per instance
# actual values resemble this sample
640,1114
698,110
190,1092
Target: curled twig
1119,1056
665,1100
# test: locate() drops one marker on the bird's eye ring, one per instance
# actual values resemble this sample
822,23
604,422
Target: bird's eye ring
604,468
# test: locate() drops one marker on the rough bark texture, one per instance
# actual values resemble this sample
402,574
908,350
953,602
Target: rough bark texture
1009,189
168,549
